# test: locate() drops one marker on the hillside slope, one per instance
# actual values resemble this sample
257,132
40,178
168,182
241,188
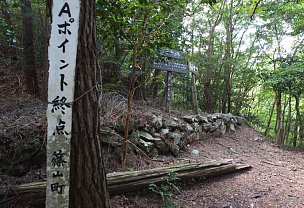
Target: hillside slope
276,179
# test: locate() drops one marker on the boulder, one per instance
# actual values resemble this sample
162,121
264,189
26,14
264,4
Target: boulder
195,153
157,121
147,136
170,123
190,119
201,119
146,146
206,127
193,137
163,132
186,128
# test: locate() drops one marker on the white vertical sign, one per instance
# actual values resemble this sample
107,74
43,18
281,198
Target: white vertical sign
62,62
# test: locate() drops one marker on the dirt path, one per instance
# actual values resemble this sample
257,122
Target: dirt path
276,179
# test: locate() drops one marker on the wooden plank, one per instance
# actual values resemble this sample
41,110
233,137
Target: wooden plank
33,194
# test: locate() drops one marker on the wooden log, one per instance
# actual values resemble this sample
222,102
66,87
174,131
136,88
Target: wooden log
121,182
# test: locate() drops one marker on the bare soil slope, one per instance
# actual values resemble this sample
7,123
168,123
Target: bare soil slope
276,179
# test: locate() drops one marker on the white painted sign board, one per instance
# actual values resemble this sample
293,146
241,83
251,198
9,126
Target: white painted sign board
193,68
167,52
62,62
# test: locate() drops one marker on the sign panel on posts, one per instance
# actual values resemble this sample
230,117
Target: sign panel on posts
166,52
193,68
62,62
169,66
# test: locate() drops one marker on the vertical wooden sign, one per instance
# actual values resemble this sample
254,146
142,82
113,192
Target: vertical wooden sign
62,62
168,91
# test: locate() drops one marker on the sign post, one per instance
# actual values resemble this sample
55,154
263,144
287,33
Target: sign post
62,62
169,66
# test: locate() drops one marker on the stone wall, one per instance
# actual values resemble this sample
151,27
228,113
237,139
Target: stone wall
163,134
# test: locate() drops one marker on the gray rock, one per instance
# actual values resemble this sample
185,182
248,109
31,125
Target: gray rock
157,121
146,146
176,137
193,137
195,153
149,129
189,119
240,120
170,123
186,128
162,147
201,119
231,127
223,128
196,127
163,132
147,136
206,127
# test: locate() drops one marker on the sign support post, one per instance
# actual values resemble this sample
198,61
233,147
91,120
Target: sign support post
194,94
62,62
194,71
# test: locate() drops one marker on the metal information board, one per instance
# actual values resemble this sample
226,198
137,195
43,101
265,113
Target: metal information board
169,66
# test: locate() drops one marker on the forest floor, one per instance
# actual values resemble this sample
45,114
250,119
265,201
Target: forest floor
275,180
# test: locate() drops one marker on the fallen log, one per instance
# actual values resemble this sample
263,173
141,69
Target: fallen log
33,194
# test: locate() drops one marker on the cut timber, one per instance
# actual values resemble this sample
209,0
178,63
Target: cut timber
121,182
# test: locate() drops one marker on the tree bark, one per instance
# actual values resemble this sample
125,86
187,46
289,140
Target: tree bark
28,49
227,62
209,99
88,185
270,118
279,117
299,118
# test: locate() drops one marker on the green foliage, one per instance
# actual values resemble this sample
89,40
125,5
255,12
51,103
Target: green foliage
166,190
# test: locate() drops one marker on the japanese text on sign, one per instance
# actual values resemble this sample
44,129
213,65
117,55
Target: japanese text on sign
62,63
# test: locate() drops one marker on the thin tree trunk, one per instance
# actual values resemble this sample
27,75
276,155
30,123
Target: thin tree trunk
300,121
29,67
295,130
88,185
288,121
129,113
208,76
227,62
270,118
155,83
279,117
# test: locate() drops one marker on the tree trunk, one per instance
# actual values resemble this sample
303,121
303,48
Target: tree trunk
227,62
47,32
300,121
88,185
288,122
269,120
154,84
28,49
209,100
279,117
